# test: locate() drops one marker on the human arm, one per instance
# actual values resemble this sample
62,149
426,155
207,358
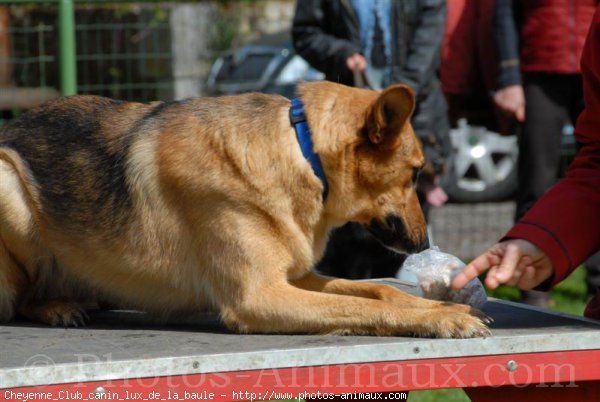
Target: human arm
315,41
423,51
510,96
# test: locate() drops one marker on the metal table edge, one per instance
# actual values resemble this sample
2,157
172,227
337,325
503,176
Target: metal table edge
261,360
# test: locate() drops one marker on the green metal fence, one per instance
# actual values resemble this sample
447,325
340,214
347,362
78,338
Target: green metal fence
29,53
66,37
130,60
131,50
120,49
114,50
66,28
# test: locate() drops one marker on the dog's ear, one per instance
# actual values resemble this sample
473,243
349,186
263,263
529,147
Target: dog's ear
389,113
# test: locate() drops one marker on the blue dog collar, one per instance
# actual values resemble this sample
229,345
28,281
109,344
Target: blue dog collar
298,120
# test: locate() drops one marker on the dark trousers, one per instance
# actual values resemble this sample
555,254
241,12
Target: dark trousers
552,100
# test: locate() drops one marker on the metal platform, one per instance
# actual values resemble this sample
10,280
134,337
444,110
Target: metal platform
127,344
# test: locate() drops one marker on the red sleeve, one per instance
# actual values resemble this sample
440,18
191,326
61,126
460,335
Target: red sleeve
565,222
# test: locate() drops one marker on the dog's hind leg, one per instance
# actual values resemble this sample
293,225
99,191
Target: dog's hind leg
24,267
17,298
14,221
12,284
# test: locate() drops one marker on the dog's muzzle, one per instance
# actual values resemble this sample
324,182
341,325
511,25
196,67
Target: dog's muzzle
392,233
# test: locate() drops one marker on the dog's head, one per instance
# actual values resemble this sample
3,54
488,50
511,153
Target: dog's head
371,158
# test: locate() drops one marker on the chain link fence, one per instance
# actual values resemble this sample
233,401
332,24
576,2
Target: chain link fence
138,51
123,51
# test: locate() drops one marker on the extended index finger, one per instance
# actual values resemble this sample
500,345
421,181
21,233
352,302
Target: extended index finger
476,267
510,261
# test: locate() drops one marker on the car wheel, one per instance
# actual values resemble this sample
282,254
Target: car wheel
482,166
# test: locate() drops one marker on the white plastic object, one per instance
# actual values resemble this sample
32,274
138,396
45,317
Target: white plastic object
434,270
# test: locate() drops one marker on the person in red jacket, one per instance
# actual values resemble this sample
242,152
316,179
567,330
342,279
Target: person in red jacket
562,229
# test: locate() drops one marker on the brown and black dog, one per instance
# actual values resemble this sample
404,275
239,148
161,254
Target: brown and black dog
209,204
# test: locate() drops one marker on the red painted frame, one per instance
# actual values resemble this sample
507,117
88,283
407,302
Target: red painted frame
549,376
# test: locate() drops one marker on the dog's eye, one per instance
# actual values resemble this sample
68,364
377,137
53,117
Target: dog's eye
415,175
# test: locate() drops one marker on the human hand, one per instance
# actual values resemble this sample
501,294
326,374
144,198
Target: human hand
512,101
356,62
513,262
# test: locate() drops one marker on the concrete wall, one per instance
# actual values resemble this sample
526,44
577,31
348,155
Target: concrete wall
267,17
191,38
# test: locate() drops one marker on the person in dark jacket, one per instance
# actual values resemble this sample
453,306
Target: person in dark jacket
539,47
387,42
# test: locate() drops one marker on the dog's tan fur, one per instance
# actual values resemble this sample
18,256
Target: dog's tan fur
221,212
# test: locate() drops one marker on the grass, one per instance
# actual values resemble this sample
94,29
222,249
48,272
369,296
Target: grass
568,297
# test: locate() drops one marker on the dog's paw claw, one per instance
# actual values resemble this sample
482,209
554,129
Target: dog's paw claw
481,315
461,325
484,333
488,320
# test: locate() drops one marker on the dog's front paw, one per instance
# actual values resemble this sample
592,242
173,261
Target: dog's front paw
56,313
460,325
